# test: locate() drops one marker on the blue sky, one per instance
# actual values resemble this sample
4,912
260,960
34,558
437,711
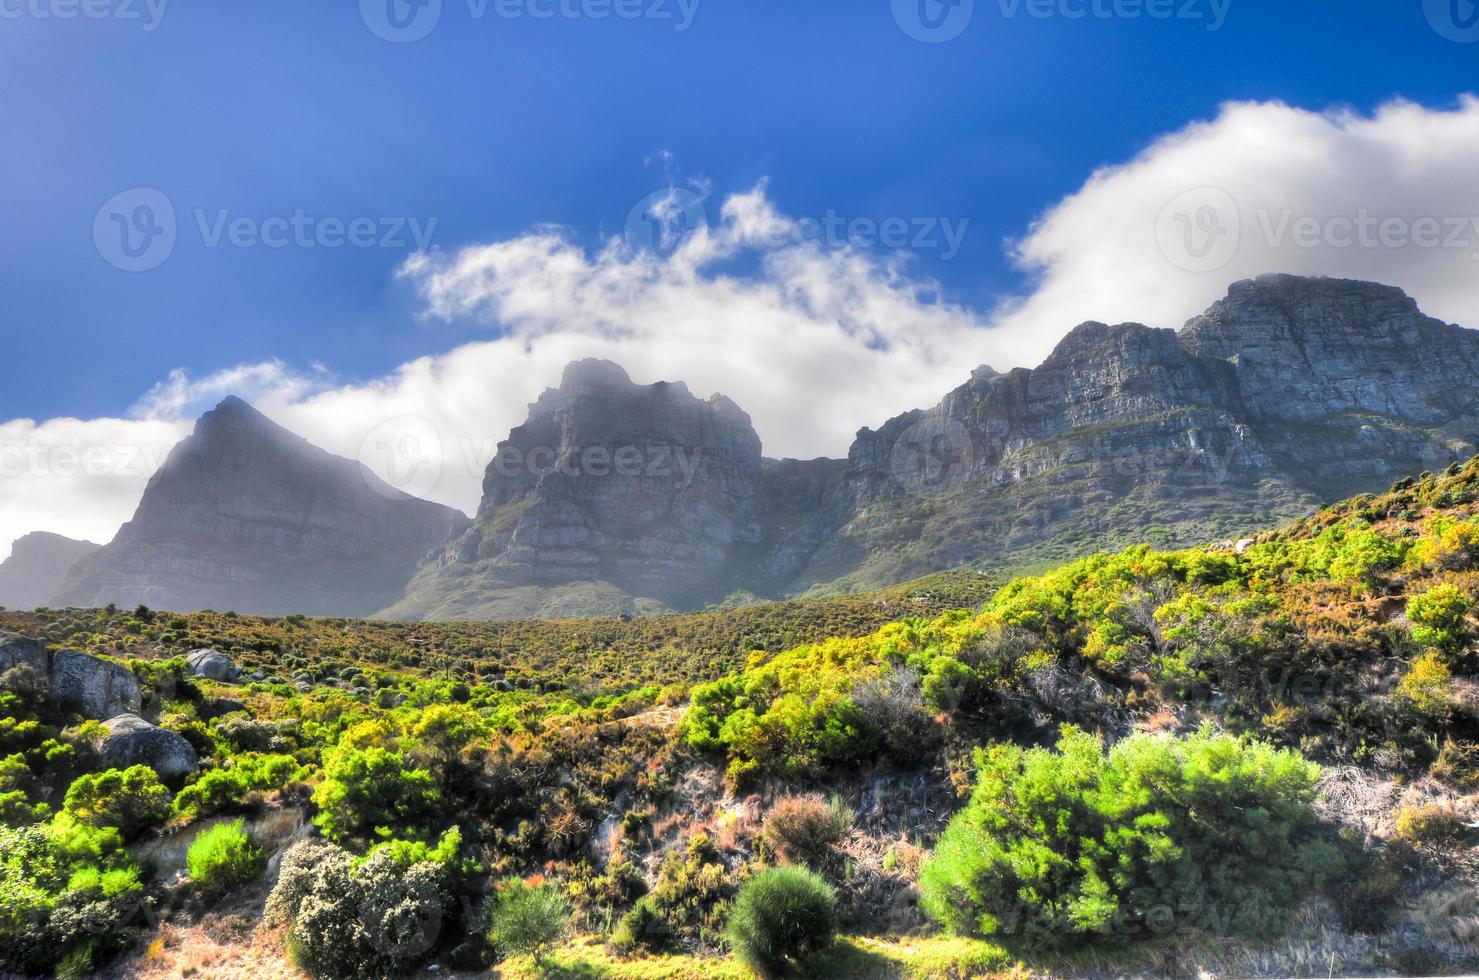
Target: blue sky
493,126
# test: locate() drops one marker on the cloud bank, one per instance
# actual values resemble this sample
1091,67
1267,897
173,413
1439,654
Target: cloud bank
814,336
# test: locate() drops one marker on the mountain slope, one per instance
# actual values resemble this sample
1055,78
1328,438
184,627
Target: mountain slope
1286,393
244,515
37,567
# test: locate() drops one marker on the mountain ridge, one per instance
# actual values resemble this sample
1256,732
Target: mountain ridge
618,498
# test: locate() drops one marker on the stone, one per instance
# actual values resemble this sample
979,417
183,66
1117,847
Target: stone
18,651
212,665
132,741
246,516
96,688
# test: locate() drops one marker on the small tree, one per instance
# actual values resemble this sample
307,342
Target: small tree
129,799
525,918
223,858
783,917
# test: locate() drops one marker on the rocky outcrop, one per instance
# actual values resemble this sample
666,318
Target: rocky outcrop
37,567
1287,393
1347,384
641,489
132,741
93,687
212,665
246,516
18,652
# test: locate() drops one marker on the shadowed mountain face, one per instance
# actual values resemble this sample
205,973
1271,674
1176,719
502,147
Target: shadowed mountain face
615,497
37,566
245,515
1288,392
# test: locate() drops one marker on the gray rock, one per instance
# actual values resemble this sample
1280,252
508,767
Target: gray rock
96,688
212,665
132,741
18,651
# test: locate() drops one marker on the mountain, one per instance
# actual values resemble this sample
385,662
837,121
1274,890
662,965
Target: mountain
1287,393
613,497
37,566
244,515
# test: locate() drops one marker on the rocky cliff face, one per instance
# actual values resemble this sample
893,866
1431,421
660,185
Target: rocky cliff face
1287,393
245,515
616,497
613,496
1347,384
37,567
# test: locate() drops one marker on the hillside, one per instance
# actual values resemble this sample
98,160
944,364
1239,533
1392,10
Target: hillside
1270,770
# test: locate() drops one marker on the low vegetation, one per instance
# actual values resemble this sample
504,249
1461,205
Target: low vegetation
1139,761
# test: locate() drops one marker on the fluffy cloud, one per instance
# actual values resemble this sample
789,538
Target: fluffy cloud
1392,197
814,337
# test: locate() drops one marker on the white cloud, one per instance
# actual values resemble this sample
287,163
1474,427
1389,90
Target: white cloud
1113,251
814,340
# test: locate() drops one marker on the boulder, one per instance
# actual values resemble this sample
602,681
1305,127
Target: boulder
96,688
213,665
132,741
17,651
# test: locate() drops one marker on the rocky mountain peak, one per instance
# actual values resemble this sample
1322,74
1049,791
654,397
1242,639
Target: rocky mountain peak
246,515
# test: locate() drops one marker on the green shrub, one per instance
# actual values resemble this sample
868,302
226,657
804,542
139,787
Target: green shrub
68,892
1438,617
1059,846
783,916
129,799
369,788
223,858
525,918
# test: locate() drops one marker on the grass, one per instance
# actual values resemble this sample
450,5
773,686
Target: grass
851,957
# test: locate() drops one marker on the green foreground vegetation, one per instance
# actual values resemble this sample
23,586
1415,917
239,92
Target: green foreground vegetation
1127,755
